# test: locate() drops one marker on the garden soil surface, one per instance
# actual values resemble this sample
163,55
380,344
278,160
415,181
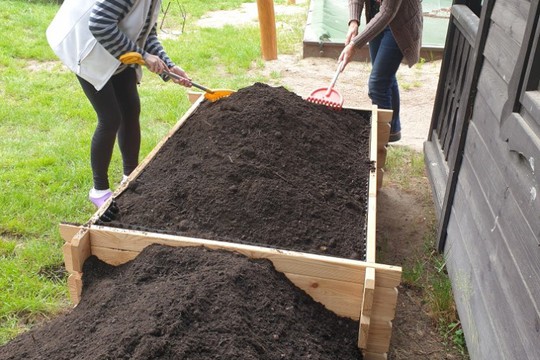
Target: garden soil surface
261,167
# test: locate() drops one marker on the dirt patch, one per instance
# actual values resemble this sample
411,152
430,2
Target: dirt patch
262,167
189,303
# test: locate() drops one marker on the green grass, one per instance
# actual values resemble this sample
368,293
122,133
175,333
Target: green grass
46,124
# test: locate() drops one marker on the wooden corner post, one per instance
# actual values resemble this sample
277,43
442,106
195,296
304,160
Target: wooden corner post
76,250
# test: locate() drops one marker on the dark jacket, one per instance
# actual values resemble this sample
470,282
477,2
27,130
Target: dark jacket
404,18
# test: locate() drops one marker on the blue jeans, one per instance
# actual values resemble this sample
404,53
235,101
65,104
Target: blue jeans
383,86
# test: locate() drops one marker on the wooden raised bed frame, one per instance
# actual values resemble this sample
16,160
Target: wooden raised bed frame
361,290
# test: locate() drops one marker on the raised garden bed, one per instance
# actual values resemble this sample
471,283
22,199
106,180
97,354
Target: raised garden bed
265,174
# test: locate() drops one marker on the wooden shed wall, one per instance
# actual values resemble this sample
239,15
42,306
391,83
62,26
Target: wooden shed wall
493,234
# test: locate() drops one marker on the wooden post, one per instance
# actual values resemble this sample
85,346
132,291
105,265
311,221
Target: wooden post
267,24
367,305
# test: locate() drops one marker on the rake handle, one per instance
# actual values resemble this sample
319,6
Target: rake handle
334,79
136,58
178,77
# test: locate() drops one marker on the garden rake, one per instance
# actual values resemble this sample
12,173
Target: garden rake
328,96
209,94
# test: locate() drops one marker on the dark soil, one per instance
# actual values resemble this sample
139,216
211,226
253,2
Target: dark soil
189,303
261,167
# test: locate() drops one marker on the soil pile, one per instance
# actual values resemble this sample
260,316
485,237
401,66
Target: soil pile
189,303
262,167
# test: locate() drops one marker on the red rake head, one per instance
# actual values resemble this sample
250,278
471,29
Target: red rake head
328,97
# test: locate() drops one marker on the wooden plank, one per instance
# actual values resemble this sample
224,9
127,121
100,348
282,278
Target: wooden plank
511,15
493,88
380,333
285,261
341,297
367,305
531,106
75,285
371,225
374,356
466,21
384,303
501,52
470,303
384,117
517,173
524,139
437,171
113,256
345,298
77,251
68,231
496,281
521,240
371,231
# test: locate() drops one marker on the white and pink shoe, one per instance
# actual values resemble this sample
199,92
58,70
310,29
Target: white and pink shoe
99,197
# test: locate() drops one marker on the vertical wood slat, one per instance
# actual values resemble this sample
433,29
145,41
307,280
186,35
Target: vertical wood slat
449,113
452,91
367,304
440,96
464,61
384,117
77,251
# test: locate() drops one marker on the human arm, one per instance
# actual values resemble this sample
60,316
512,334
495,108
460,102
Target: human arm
355,10
382,19
154,48
104,23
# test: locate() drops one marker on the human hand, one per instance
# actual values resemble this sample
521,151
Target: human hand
184,81
351,32
154,63
346,55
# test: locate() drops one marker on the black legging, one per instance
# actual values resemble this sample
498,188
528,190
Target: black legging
118,107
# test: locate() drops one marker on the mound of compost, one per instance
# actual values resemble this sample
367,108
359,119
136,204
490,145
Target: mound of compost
189,303
263,167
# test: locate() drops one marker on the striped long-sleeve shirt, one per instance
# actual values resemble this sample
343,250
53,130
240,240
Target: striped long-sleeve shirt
103,23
